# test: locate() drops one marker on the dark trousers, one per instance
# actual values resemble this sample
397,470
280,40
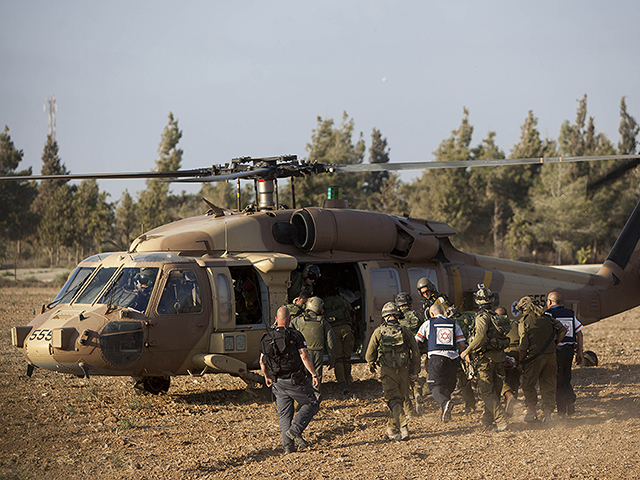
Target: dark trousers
564,391
442,377
287,394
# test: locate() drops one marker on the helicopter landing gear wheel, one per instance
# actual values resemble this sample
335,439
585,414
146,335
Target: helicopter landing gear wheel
153,385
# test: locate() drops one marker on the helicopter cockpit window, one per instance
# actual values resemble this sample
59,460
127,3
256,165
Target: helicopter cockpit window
96,285
132,288
246,286
181,294
73,285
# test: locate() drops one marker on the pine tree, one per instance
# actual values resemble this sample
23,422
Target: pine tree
155,203
378,153
53,204
16,221
94,218
127,224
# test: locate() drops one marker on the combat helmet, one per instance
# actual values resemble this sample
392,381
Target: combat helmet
589,359
527,304
403,299
310,271
484,296
315,305
389,309
425,282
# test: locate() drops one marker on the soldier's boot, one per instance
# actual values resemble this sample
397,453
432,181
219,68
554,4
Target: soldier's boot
419,404
530,415
404,434
546,416
510,404
344,388
391,433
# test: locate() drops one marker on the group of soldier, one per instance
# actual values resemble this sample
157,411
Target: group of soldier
482,347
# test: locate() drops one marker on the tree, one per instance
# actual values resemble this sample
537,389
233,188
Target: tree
446,195
94,218
53,204
628,130
16,221
127,224
390,197
330,144
155,203
378,153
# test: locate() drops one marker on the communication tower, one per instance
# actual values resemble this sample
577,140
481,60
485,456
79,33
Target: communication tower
53,109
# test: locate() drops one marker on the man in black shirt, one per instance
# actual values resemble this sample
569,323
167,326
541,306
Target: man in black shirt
283,358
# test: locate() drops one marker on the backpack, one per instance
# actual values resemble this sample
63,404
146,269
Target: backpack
281,355
393,351
498,332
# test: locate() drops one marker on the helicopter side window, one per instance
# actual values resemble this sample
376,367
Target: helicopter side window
181,294
132,288
224,298
73,284
96,285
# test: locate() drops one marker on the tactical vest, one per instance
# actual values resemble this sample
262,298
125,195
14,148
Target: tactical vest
393,352
280,353
442,334
312,328
337,311
410,320
467,323
565,316
439,298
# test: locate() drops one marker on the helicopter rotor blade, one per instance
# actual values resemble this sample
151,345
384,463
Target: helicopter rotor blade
110,176
382,167
229,176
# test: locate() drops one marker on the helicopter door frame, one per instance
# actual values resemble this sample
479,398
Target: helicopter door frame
223,313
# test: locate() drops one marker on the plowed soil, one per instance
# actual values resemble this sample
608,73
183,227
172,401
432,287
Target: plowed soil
55,426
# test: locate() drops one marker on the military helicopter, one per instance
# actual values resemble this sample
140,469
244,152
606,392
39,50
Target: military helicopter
195,296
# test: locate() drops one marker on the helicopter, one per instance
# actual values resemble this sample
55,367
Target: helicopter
195,296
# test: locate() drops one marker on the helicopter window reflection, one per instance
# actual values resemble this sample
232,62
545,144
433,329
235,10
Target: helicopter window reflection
96,285
224,298
72,285
181,294
386,285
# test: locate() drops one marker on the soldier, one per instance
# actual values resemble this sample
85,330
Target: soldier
444,339
511,372
487,349
297,306
319,336
340,316
304,280
283,359
466,322
431,295
572,342
539,334
394,348
412,320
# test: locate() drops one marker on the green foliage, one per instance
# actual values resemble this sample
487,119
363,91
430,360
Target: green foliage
94,217
127,226
155,203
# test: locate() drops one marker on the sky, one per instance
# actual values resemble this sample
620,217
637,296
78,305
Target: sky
251,78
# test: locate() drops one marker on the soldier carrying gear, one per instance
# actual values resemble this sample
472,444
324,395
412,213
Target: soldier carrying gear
340,315
488,349
393,347
431,295
319,336
412,320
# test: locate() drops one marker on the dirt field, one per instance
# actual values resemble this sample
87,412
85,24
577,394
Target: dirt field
60,427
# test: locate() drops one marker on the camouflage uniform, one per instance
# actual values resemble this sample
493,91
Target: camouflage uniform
466,322
297,286
320,339
340,316
512,374
537,334
395,368
489,362
412,320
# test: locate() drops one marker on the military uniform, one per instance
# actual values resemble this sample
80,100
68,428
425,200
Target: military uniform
565,396
394,348
339,314
512,374
489,361
319,338
537,334
466,322
297,286
412,320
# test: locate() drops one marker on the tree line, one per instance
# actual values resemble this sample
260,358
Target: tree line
534,213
